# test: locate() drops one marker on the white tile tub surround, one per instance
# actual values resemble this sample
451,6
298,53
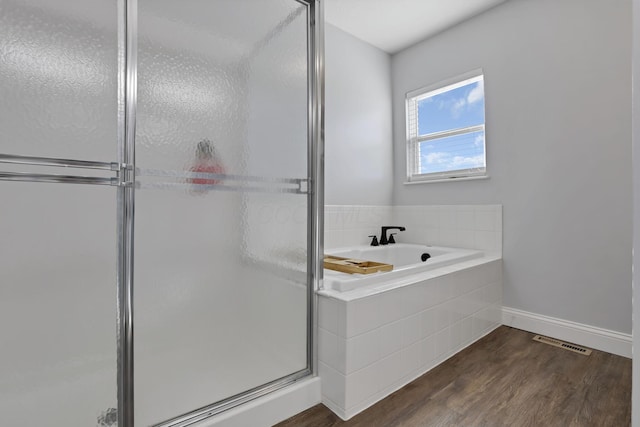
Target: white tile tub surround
373,342
461,226
457,226
347,225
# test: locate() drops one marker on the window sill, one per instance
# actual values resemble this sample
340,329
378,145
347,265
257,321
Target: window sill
452,179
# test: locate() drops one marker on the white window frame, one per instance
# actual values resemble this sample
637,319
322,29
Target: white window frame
414,140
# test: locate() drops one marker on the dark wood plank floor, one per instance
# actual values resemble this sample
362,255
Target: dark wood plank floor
505,379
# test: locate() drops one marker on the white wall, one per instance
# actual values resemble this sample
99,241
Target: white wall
557,81
358,155
636,212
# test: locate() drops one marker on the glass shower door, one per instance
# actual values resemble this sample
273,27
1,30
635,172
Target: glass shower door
221,231
58,86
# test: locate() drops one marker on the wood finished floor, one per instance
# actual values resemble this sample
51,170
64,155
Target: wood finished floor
505,379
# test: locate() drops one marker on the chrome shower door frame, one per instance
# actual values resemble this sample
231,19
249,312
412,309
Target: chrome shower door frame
127,103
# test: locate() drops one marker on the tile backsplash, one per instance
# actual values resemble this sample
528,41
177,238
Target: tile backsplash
347,225
463,226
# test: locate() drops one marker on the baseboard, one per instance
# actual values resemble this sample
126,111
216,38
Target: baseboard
577,333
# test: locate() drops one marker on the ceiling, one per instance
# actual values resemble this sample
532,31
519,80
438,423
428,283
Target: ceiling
393,25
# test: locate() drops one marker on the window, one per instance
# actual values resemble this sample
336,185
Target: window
445,130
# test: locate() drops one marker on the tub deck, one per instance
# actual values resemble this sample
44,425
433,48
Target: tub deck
407,260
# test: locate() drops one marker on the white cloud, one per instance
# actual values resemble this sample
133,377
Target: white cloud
479,140
467,162
436,158
457,107
477,93
442,161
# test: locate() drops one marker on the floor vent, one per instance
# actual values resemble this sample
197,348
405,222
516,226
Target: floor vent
562,344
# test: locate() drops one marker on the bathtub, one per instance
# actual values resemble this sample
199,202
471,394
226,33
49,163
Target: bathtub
386,329
407,259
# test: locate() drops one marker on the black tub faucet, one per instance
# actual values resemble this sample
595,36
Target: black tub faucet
383,236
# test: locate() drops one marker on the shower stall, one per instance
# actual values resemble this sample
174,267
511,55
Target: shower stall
161,173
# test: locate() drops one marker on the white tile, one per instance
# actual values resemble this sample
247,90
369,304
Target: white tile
390,338
382,215
358,236
474,301
485,219
466,307
466,286
428,322
455,310
389,369
496,272
483,274
429,217
404,216
411,330
447,217
414,298
443,342
448,237
328,314
495,293
465,219
391,306
486,240
331,221
495,314
468,275
430,293
373,216
442,316
362,315
485,319
415,234
476,326
333,384
439,291
485,296
332,239
342,319
362,350
328,348
432,236
412,358
337,217
466,331
456,287
341,356
466,239
446,287
360,385
428,354
456,335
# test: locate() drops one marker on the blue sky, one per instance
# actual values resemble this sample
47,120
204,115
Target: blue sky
458,108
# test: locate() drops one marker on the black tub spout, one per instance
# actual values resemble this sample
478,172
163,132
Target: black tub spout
383,236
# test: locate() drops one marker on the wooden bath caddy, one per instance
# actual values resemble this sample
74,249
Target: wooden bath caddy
350,265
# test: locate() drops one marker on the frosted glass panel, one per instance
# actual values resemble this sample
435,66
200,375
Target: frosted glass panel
57,304
58,86
221,226
58,78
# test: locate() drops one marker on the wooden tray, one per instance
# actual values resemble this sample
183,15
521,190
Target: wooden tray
350,265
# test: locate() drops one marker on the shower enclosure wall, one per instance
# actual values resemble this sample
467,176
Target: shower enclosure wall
175,279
